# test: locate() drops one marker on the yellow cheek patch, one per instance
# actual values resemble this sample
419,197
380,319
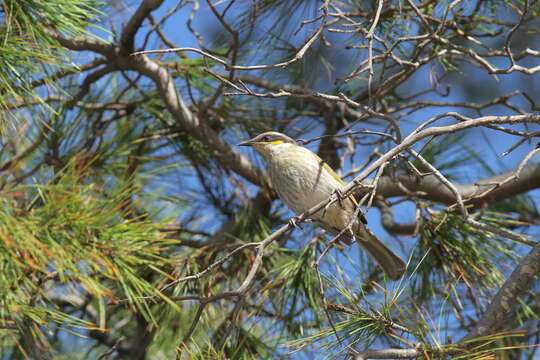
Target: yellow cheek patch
276,142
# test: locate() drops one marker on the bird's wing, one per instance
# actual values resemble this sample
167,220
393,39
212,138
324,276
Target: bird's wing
336,176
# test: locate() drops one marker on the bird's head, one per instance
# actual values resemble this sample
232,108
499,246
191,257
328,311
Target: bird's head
269,143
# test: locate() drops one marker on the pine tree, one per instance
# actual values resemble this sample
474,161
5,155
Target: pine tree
132,227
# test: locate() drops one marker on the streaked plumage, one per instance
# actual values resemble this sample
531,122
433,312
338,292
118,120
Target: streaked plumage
302,180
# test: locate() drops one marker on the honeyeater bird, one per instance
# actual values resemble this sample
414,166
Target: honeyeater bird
302,180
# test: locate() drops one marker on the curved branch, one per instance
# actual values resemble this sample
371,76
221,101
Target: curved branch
388,354
127,42
217,146
390,225
520,280
85,44
431,188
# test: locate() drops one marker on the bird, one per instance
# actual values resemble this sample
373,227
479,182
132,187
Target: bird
302,180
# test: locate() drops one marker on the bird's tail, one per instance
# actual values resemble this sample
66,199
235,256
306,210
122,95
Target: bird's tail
392,264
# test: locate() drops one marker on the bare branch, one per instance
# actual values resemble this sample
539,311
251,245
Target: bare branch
299,55
390,225
430,188
520,280
387,354
218,147
127,41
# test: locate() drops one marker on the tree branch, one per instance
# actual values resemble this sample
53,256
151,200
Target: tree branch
474,193
127,42
388,354
86,44
390,225
520,280
217,146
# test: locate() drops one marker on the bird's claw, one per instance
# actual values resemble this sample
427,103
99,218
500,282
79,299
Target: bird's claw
295,222
325,209
339,195
340,198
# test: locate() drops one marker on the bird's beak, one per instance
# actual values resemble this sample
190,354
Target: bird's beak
246,143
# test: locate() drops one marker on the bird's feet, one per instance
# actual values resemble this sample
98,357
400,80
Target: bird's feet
340,198
295,222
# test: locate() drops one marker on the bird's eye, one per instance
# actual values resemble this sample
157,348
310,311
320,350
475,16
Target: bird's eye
266,138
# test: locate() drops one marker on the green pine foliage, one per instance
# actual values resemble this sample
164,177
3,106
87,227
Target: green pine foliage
124,235
463,253
28,53
50,247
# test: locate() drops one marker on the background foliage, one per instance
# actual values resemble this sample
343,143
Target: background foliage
131,227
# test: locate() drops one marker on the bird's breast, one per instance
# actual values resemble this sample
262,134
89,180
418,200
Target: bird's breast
301,181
